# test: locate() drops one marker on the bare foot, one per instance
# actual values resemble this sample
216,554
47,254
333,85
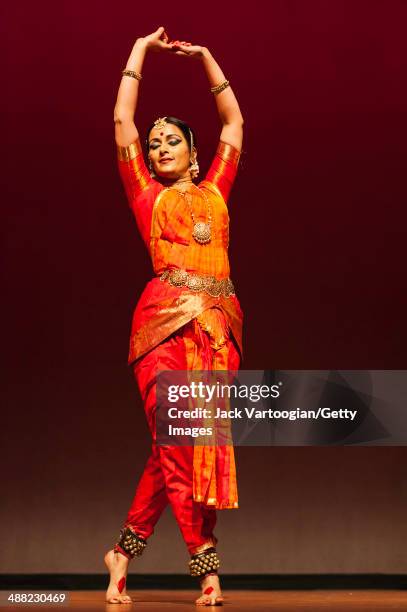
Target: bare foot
211,593
118,565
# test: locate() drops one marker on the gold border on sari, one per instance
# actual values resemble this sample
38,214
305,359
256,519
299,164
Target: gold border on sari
176,312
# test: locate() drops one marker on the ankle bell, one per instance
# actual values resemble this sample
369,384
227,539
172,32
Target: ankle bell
132,544
205,562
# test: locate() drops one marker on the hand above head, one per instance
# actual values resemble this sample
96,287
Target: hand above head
157,41
186,48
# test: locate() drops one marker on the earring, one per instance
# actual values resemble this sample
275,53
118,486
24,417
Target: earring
150,166
194,168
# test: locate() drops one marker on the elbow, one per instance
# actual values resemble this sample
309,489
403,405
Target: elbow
236,121
117,116
232,117
121,116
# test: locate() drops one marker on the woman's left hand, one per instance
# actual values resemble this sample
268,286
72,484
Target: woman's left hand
186,48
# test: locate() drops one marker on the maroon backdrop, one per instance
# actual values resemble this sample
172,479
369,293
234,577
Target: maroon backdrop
318,233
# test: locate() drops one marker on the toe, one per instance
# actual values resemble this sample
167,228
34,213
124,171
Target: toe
214,601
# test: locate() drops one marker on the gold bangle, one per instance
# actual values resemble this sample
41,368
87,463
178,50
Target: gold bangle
218,88
131,73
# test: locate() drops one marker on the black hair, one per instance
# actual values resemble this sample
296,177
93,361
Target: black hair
184,127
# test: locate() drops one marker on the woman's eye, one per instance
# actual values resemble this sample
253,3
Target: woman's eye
173,143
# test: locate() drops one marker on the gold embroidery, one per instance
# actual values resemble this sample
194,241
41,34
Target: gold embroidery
130,152
175,312
214,323
227,152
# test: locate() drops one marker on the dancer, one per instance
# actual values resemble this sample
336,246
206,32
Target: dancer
188,316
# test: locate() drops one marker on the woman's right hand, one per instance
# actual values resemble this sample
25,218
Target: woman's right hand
157,41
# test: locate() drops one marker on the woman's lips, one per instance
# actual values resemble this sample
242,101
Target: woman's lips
165,160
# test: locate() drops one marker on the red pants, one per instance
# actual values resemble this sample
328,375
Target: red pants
167,476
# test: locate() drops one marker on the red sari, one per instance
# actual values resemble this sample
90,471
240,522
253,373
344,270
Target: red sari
177,328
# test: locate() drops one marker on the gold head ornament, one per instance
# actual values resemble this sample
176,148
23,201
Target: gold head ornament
160,123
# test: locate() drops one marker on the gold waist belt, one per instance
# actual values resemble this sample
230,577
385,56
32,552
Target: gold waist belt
198,282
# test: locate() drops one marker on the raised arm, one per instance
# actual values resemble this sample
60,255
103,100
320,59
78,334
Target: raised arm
140,188
126,132
227,105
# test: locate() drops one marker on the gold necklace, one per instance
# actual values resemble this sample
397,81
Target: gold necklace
202,231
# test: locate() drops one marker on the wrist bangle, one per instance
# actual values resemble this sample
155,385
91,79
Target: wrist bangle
218,88
131,73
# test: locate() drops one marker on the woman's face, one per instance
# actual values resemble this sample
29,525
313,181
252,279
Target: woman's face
169,152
